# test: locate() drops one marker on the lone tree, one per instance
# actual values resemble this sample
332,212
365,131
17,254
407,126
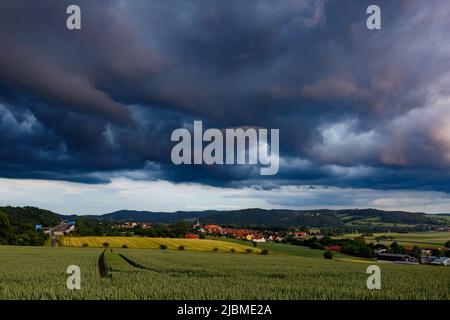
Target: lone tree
328,255
106,244
396,248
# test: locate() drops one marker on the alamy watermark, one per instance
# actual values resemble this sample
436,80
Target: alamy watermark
235,146
74,280
374,20
73,21
374,280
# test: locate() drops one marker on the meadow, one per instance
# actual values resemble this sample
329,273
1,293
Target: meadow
281,248
420,239
39,273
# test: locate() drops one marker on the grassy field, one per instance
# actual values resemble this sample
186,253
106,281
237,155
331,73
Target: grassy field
154,243
421,239
39,273
288,249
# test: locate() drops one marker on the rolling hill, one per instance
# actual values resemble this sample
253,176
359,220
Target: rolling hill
153,217
281,217
31,215
247,217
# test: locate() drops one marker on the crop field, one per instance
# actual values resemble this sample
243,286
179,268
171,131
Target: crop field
421,239
154,243
40,273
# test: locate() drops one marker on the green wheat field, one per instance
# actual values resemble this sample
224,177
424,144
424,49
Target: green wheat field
40,273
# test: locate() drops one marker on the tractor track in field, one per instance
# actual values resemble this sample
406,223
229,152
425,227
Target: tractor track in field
132,262
105,270
102,269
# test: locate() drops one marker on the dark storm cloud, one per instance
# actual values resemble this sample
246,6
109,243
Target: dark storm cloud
39,55
355,108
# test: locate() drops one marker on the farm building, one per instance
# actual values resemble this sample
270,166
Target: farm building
275,238
426,251
333,248
443,261
191,236
299,234
427,259
395,257
380,248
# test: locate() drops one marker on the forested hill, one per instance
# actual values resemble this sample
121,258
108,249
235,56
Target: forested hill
17,225
319,218
281,218
31,216
154,217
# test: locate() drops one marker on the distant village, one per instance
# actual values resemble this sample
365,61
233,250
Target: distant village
218,231
411,255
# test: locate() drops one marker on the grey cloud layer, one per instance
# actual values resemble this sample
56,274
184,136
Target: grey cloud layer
355,108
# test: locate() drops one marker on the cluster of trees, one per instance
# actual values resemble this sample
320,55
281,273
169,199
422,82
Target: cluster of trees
283,231
354,247
93,227
176,230
23,234
415,252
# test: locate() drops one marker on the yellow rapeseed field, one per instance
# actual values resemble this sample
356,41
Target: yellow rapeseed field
154,243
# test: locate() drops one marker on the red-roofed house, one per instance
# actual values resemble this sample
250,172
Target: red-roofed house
212,228
299,234
333,248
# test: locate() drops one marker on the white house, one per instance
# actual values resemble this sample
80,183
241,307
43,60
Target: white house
259,240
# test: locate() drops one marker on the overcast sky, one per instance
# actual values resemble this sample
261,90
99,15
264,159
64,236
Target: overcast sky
86,116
